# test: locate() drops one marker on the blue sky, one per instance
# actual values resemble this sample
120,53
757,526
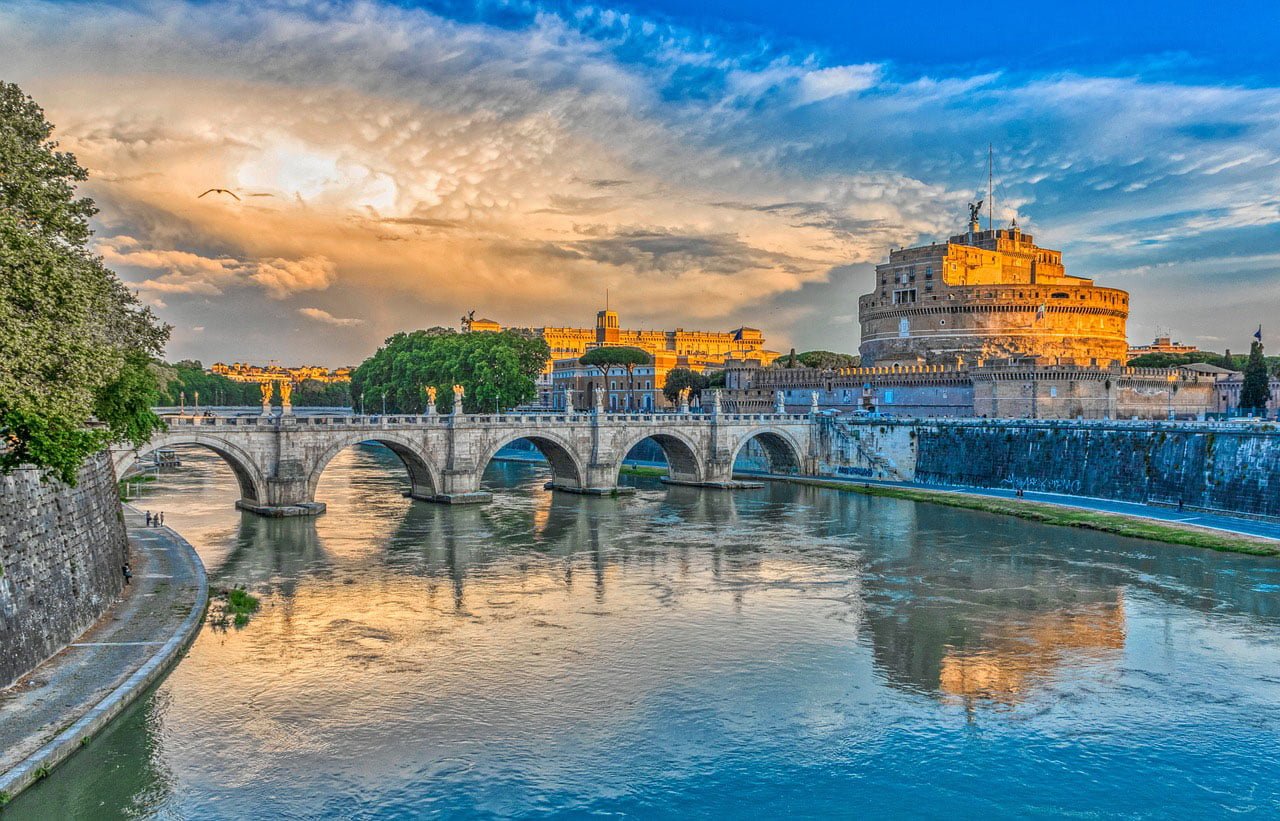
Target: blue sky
710,164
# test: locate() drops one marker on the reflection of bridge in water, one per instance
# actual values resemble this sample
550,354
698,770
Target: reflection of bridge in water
278,460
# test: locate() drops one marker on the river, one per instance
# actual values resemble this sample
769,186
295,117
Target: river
691,653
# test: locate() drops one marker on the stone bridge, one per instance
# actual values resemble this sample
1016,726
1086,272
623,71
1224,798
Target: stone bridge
278,460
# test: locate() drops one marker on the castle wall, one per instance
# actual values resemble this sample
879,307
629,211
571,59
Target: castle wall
61,551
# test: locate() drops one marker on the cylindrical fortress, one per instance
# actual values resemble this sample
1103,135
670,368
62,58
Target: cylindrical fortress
989,295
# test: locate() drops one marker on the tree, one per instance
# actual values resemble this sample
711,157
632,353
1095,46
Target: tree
827,359
496,370
611,356
680,378
1256,390
75,344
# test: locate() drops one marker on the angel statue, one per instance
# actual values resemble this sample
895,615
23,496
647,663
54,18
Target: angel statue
458,393
975,208
286,391
267,389
431,399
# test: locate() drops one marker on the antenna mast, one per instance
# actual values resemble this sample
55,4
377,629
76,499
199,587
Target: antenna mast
991,191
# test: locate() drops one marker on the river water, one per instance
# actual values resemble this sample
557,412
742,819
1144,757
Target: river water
703,654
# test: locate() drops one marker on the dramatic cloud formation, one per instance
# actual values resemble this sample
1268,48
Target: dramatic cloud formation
407,167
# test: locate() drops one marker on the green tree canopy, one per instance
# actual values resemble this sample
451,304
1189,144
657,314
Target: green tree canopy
680,378
616,356
1256,390
827,359
1173,360
495,370
75,344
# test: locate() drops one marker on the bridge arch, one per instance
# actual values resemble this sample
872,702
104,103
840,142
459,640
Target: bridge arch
424,476
249,475
684,462
783,453
567,470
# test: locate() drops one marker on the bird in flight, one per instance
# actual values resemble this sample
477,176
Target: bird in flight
220,191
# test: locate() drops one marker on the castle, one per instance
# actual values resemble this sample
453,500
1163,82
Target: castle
989,324
989,295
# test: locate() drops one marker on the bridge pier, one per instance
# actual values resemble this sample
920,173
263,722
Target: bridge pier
281,511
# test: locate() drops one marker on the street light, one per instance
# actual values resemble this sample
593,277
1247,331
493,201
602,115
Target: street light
362,403
1172,377
384,403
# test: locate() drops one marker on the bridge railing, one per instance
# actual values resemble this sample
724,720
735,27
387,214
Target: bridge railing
526,419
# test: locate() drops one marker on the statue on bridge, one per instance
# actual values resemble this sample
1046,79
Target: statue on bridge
286,397
779,402
568,400
598,399
267,389
715,402
430,410
458,393
813,403
683,395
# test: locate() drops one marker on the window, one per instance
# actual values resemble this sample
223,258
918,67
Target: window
904,297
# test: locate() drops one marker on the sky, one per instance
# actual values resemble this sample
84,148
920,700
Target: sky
708,165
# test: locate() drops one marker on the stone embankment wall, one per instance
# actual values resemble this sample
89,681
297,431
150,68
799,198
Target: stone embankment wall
1208,466
61,549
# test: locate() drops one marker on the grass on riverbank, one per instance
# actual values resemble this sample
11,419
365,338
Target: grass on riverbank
643,470
123,485
1116,523
232,606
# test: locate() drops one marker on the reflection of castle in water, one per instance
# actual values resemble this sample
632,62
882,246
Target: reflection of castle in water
1019,655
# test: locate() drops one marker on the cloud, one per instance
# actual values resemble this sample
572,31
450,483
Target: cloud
186,272
320,315
419,166
282,277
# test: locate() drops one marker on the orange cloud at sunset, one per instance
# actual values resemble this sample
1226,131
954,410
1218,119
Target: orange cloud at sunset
408,202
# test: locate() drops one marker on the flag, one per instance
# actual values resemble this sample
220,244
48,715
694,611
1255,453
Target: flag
1258,334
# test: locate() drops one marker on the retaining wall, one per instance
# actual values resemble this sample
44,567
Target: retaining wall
61,550
1230,468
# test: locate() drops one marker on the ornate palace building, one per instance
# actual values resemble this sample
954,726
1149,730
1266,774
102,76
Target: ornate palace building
989,295
700,348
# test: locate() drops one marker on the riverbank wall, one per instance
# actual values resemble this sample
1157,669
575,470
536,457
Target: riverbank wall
61,552
1205,466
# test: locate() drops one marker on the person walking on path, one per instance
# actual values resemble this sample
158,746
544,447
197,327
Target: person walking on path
148,518
161,514
128,573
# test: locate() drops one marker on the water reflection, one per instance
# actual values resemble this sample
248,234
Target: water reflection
750,652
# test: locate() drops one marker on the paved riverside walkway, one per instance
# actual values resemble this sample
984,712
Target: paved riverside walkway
47,714
1262,528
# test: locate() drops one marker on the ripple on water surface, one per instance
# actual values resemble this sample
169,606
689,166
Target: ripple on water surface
692,653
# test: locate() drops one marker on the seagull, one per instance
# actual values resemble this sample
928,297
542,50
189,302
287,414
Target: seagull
220,191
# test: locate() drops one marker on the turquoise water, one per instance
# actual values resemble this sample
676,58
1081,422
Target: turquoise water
686,653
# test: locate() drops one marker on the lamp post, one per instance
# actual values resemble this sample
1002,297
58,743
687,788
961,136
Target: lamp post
1172,378
362,403
384,403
